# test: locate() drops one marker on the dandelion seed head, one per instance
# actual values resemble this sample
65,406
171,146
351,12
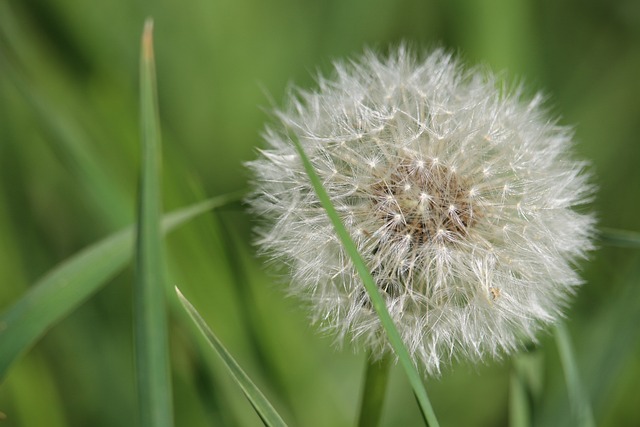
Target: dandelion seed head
458,195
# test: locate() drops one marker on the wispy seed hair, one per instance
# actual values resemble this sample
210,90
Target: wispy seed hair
459,194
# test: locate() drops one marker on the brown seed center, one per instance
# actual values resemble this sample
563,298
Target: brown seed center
423,201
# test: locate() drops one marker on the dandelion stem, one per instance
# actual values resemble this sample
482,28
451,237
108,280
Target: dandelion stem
375,386
525,387
519,408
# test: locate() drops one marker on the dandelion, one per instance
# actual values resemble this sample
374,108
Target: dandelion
458,193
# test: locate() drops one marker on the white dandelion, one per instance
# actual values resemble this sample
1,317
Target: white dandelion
459,195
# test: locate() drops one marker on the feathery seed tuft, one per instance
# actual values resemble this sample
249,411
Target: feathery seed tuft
458,195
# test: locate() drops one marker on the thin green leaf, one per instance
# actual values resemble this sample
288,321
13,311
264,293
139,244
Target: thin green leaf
153,375
621,238
263,408
65,287
579,401
374,294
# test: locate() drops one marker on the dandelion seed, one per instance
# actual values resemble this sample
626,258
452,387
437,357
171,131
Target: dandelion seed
459,197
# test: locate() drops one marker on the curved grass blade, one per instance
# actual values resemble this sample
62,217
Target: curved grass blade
579,401
372,290
155,403
263,408
65,287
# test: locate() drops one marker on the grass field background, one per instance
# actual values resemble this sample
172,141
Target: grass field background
69,161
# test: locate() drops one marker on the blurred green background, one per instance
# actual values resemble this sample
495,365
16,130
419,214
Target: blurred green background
68,170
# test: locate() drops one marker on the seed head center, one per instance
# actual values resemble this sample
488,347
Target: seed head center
423,201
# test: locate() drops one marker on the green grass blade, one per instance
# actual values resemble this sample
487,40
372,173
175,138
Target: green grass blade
155,403
65,287
263,408
620,238
372,290
579,401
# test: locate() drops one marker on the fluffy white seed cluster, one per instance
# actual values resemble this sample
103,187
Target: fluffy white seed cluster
457,192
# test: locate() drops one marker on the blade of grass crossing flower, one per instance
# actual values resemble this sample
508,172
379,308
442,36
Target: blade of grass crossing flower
372,290
70,283
579,402
150,314
263,408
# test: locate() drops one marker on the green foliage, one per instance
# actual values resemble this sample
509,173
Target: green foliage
262,406
69,156
69,284
155,403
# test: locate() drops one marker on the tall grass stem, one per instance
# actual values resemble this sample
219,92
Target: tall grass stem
155,402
